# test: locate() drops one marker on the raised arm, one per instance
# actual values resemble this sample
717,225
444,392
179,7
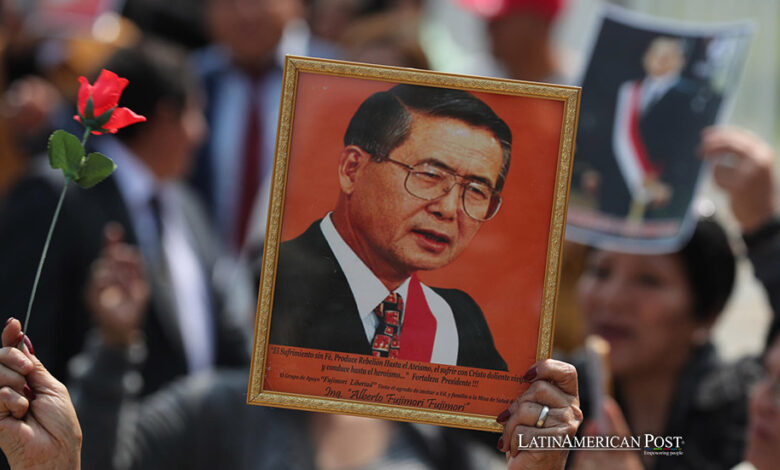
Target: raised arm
124,431
744,168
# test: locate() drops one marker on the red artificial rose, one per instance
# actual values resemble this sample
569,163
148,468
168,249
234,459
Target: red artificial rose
97,104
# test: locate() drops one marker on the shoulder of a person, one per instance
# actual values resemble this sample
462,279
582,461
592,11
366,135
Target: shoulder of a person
686,86
210,60
305,263
220,396
307,244
220,391
219,384
39,177
36,192
727,382
456,297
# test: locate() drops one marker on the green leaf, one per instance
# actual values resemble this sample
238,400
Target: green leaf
65,153
96,168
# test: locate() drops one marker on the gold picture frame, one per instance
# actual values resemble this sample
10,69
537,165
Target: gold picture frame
314,96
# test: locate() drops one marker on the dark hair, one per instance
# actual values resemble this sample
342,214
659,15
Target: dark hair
382,122
157,72
710,268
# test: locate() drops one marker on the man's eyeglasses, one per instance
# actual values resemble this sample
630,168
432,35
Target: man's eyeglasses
429,182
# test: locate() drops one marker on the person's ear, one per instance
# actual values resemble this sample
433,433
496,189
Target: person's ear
351,161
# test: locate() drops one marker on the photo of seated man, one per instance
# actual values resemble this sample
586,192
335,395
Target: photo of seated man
421,171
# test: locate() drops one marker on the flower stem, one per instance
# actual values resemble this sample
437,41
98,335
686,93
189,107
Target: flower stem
47,243
43,255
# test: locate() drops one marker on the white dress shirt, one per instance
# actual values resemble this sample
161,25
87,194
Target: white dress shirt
137,185
368,291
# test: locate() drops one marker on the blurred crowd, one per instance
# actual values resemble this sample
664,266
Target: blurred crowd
147,299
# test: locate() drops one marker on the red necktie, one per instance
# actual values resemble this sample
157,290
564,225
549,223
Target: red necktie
250,168
386,338
419,329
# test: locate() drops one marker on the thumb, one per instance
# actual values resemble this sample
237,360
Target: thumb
38,378
11,332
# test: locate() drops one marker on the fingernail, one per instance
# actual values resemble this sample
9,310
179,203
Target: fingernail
499,446
530,375
29,345
8,321
28,393
504,416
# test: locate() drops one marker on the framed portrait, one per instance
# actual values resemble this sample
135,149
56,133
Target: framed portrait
413,242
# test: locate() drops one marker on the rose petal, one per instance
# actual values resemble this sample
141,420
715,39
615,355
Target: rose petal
122,117
107,90
84,92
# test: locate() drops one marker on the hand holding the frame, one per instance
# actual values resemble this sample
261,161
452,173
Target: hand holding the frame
38,425
743,168
550,407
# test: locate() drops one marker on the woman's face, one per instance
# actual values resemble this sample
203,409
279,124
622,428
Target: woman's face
643,306
763,444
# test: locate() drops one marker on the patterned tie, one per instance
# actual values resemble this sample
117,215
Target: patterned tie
387,340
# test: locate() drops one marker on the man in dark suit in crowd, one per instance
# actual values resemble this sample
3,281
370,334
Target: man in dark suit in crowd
421,171
185,329
242,75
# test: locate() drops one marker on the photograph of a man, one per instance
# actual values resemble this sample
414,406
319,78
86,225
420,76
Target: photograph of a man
653,86
421,171
657,122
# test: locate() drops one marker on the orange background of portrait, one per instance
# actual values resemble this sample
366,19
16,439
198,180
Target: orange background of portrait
503,268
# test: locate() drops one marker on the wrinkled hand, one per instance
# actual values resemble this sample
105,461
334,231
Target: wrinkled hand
743,168
117,292
38,426
615,425
553,383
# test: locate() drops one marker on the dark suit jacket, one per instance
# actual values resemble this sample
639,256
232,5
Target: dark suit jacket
60,319
212,64
314,307
670,130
